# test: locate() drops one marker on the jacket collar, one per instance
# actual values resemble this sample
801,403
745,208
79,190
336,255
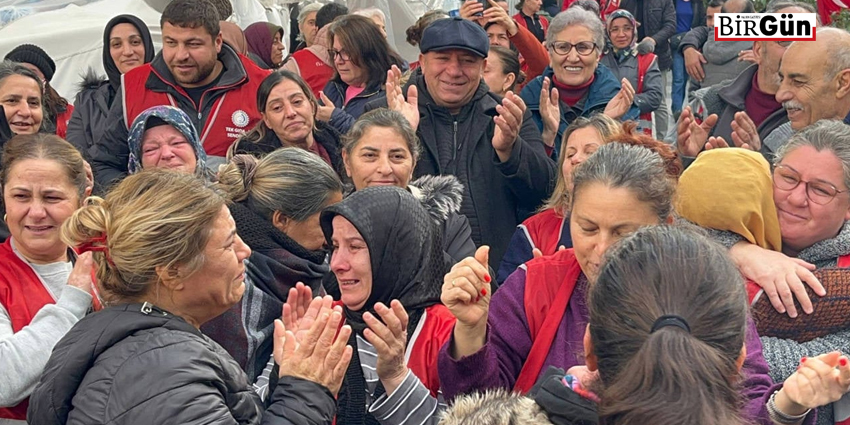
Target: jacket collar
734,93
234,72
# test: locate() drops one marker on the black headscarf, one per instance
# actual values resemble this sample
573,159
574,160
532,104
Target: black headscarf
407,264
108,64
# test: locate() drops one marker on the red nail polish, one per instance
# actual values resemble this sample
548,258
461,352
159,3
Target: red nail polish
477,299
842,361
483,292
803,360
487,278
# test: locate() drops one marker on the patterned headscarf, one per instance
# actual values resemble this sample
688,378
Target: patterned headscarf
632,49
174,117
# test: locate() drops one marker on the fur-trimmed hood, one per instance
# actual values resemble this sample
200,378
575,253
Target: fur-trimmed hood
440,195
91,80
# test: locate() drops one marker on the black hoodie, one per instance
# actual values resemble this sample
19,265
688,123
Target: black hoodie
130,364
88,121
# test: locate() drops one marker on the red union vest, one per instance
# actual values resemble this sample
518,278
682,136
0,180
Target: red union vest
232,114
645,121
315,72
22,294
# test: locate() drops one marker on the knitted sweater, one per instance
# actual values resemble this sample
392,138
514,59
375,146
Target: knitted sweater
783,355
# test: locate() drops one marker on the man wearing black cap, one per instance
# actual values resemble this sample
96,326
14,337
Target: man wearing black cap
490,143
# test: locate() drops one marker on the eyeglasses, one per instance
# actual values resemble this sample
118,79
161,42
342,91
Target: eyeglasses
819,192
341,53
583,48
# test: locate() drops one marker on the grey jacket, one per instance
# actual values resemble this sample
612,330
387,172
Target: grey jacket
649,99
727,98
722,60
783,355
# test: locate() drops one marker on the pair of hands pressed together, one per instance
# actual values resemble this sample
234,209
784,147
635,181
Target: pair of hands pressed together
693,137
310,325
550,109
508,122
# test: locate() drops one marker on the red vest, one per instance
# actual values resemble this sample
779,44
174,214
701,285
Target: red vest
231,115
645,120
520,20
430,335
545,230
313,70
22,294
62,121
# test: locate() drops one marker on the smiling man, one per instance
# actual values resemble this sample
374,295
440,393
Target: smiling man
196,72
489,143
815,79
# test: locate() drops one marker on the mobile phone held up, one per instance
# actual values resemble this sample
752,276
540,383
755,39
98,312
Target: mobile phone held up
485,4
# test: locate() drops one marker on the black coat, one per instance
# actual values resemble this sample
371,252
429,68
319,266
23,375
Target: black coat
88,121
658,20
124,366
494,191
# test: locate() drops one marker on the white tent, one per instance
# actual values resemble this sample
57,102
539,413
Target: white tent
71,31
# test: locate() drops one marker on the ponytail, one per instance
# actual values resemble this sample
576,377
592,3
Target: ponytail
645,369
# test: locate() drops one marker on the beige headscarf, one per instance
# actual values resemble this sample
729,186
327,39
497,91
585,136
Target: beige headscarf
731,189
234,37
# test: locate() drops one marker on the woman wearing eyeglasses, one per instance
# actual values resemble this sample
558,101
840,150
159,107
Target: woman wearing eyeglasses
575,84
810,193
361,57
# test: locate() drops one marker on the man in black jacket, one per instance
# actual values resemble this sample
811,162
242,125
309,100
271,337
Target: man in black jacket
195,72
491,144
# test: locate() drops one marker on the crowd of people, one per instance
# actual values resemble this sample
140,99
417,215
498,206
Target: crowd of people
524,225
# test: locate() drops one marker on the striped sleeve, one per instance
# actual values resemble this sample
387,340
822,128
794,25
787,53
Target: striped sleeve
410,404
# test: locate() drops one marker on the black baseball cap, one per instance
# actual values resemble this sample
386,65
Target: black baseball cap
455,33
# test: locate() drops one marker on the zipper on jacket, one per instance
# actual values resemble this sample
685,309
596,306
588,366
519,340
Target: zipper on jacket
454,137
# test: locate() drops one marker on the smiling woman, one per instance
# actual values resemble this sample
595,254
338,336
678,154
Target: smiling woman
44,182
21,97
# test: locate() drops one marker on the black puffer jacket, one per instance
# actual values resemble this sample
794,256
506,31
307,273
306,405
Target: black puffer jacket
126,365
657,19
88,121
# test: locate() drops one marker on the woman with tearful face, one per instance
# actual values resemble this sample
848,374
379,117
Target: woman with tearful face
164,137
388,261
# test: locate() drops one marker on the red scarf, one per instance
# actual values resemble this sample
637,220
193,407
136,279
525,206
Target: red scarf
572,94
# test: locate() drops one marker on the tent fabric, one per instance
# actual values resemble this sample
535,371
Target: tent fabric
72,35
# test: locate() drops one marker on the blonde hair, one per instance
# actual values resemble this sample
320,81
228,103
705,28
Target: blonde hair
607,128
154,219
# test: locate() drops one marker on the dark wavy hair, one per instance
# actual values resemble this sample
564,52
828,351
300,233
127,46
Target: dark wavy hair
366,46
